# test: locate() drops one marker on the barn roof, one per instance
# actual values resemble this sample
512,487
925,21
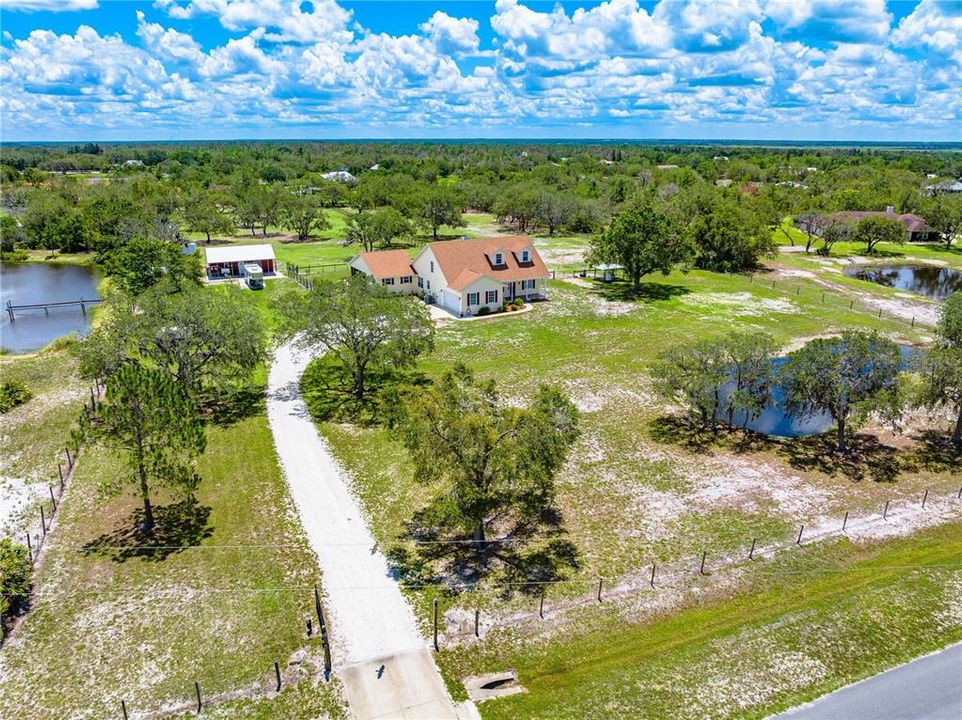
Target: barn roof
239,253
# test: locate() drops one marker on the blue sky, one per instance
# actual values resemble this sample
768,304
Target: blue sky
221,69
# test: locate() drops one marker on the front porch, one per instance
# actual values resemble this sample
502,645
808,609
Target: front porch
534,289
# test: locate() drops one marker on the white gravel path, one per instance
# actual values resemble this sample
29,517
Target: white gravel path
368,616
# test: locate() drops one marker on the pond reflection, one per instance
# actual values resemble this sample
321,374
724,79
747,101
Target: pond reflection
933,282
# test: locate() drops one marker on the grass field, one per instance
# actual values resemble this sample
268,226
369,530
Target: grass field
804,625
640,488
114,619
632,490
34,435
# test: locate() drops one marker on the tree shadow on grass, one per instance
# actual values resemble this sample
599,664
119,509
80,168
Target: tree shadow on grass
866,459
934,451
227,406
328,392
691,434
682,431
526,554
622,291
179,525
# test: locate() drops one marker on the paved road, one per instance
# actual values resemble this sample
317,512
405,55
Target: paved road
929,688
371,622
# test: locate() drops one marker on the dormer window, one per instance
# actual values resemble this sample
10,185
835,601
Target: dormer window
498,258
525,256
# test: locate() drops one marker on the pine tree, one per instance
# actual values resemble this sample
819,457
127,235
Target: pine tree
152,421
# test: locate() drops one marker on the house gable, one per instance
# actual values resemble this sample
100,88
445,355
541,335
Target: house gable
477,256
357,263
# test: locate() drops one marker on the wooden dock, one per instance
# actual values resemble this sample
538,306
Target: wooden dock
82,303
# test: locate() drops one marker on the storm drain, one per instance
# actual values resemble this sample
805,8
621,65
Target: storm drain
494,685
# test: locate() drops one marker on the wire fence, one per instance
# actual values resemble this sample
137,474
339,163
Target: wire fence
695,565
811,291
303,274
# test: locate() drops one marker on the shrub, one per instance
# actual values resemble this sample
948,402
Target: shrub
15,570
13,394
61,343
14,256
484,310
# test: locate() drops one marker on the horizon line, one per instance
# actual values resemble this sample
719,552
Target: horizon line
499,140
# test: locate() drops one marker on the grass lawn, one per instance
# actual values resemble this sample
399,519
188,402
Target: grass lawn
263,301
116,620
805,625
34,435
55,256
635,489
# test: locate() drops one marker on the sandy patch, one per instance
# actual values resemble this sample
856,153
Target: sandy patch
588,398
902,307
739,304
562,256
795,273
16,499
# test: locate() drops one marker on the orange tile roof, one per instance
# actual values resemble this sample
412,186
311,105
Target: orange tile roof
457,256
388,263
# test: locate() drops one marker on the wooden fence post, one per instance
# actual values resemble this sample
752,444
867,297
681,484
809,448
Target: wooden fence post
704,554
69,459
43,521
653,576
924,498
435,624
751,552
53,500
60,472
600,581
123,707
885,512
845,521
277,672
197,688
798,540
325,644
477,623
541,606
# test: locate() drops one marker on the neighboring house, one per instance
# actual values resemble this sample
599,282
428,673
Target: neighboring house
233,261
944,187
916,229
462,276
391,268
342,176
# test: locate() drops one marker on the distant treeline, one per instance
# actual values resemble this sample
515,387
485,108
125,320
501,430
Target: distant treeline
97,196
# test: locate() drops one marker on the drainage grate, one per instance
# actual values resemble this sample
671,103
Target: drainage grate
494,685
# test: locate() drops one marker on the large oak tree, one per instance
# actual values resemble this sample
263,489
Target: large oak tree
493,458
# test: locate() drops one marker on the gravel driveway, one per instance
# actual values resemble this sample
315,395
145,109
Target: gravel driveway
369,617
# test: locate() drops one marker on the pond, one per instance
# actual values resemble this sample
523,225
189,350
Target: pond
929,280
30,283
774,421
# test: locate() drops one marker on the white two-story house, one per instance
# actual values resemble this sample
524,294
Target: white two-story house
462,276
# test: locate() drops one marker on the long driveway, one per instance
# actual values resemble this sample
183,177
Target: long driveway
373,629
929,688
